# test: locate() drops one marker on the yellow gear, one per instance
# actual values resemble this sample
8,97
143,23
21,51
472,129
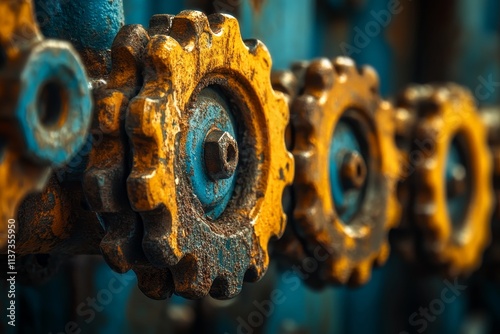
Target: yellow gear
444,113
208,255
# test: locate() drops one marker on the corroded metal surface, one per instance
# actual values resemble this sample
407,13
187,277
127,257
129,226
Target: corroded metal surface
442,116
334,90
46,106
104,180
207,255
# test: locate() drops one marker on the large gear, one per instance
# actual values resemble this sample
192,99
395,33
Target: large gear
207,97
344,147
448,155
46,107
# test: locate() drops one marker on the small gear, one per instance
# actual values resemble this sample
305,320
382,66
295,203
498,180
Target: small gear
46,107
210,163
347,169
452,196
104,180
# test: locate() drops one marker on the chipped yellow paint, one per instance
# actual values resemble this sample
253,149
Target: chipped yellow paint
198,52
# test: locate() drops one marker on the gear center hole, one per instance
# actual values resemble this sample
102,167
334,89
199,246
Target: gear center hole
52,104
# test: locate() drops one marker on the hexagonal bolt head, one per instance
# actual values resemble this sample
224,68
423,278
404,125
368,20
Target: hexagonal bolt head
353,171
221,154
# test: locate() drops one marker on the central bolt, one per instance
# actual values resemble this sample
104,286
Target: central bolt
221,154
353,171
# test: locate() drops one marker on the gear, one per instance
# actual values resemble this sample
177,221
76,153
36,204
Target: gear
346,170
46,107
210,162
104,180
452,172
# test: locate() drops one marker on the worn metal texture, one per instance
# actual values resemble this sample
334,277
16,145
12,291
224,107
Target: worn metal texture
205,255
444,120
90,26
46,106
56,221
334,92
104,180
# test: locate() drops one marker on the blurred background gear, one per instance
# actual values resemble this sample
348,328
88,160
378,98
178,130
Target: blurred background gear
344,187
446,148
46,107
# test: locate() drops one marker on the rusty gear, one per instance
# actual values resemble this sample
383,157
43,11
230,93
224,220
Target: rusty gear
336,90
445,116
204,59
104,180
36,132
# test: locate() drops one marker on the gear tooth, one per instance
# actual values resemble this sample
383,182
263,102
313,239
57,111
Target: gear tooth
299,67
304,114
155,283
371,75
259,49
128,47
112,251
383,255
319,77
360,274
226,288
190,279
160,24
220,22
409,97
159,251
140,191
344,66
188,27
340,271
286,82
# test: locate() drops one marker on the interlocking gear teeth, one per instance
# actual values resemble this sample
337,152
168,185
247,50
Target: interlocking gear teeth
208,255
105,176
330,89
448,111
104,180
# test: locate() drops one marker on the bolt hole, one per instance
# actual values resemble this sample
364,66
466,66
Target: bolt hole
231,154
52,104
